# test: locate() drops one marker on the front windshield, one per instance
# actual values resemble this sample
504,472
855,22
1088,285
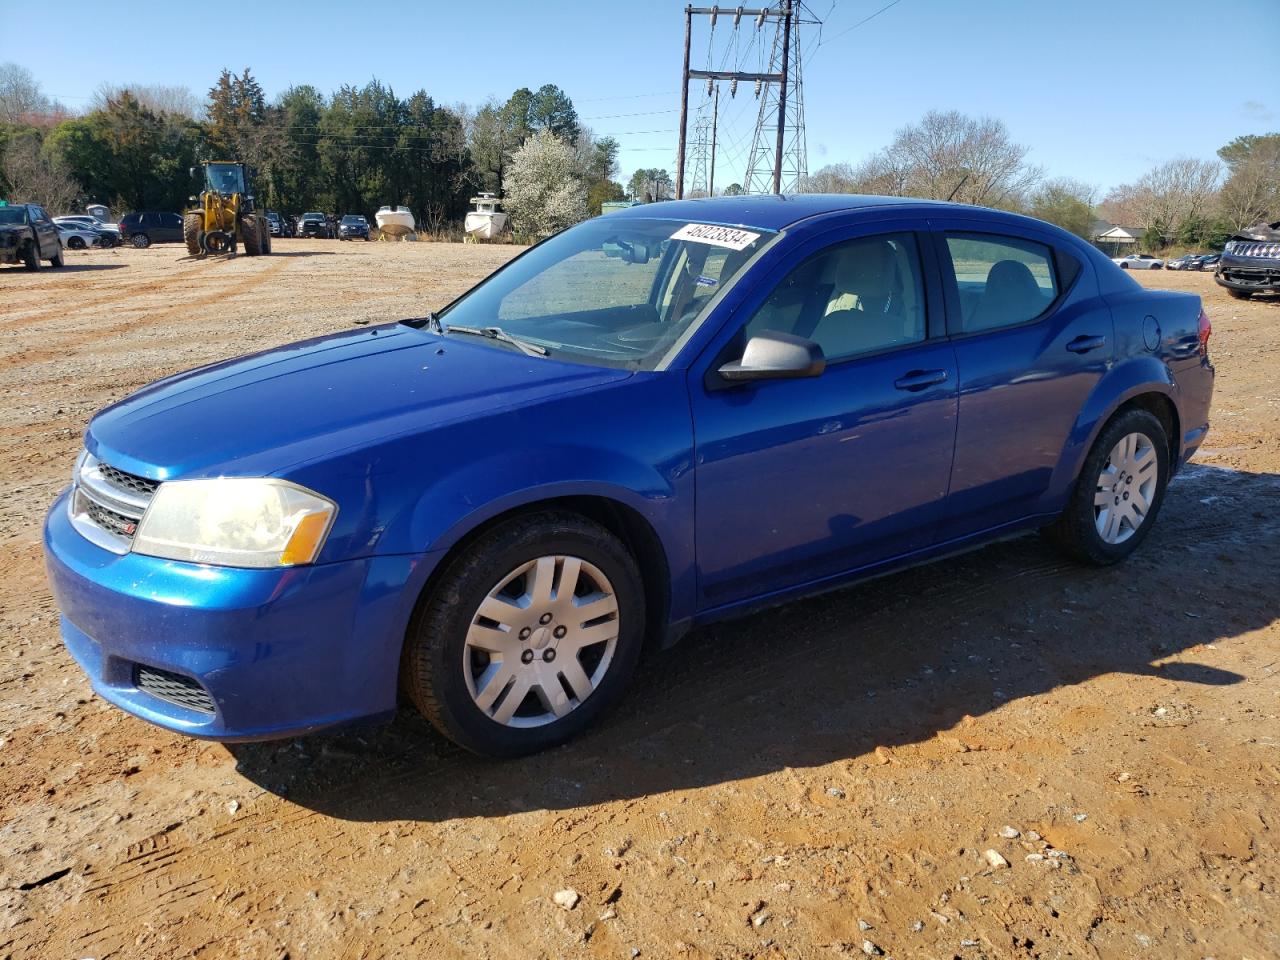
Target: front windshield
225,178
352,219
614,292
13,215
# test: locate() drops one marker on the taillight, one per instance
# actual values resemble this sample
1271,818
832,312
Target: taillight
1206,328
120,226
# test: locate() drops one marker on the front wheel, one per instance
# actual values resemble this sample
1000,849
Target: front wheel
1239,294
58,260
31,256
528,637
75,243
1119,492
192,227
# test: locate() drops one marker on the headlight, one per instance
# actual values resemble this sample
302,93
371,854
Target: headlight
235,522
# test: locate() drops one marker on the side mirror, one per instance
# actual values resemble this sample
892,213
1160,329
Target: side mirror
771,355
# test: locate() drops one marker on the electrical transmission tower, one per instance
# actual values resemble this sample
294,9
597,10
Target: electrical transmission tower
778,161
782,99
701,162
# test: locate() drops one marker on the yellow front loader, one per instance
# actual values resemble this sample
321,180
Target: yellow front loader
224,215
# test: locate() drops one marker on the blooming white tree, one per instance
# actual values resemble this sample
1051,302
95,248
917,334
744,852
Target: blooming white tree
543,189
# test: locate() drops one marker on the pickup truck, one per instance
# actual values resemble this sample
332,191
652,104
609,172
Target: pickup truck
28,235
1251,262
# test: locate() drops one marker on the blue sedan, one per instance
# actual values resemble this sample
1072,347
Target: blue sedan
656,419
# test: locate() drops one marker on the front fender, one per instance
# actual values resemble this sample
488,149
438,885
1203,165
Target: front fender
1124,381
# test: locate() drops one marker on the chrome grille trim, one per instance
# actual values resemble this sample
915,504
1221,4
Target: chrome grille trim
106,504
1247,248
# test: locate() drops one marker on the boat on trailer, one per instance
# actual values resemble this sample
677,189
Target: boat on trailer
395,221
486,221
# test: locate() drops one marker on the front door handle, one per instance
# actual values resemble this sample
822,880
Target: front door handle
919,379
1086,343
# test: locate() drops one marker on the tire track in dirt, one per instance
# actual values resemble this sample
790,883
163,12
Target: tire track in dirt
222,294
178,872
125,291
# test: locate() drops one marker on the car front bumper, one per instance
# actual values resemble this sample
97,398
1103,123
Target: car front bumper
278,652
1257,275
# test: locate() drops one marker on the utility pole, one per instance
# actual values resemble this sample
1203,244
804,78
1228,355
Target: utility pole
684,102
760,15
782,95
715,116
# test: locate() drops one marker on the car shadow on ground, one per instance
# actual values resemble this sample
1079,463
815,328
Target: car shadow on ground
84,267
896,661
301,253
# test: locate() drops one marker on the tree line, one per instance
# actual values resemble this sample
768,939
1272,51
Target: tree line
350,151
1190,202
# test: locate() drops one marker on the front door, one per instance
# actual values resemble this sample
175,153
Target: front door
805,479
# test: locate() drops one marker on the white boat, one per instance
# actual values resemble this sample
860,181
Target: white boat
486,221
395,221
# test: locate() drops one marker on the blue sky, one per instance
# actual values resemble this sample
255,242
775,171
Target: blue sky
1101,90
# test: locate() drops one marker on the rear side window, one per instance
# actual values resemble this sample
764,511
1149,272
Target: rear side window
1002,281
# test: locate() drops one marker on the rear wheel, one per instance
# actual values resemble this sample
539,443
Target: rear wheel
252,232
1124,266
140,240
1239,294
192,226
528,637
1119,492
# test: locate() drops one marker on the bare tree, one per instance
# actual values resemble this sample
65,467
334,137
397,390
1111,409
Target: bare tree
1177,191
21,98
158,98
34,177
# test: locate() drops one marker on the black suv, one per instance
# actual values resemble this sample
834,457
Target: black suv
1251,262
144,229
352,227
28,234
315,225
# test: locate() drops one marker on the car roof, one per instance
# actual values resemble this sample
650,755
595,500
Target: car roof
777,211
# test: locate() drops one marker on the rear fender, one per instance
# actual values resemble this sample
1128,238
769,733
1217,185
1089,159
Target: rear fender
1126,380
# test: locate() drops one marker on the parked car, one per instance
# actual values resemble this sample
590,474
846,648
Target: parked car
275,223
1251,262
1207,262
1138,261
495,509
314,225
352,227
148,227
110,232
28,236
1184,262
78,236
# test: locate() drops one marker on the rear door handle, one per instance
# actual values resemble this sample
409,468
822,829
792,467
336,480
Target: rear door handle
919,379
1086,343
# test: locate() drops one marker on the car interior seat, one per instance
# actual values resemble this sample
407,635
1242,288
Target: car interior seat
1011,296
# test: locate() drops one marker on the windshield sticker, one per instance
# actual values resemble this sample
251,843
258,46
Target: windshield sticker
706,281
730,237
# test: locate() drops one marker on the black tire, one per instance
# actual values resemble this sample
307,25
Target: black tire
1075,531
252,234
434,662
31,256
1124,266
75,243
1238,294
266,242
192,226
140,240
58,260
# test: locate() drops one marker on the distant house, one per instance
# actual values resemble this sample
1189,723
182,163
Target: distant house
1114,240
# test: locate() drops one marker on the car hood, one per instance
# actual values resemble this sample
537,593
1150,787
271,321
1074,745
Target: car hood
262,414
1262,232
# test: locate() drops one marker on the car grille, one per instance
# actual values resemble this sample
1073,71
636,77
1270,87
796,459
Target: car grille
1245,248
107,503
127,481
173,687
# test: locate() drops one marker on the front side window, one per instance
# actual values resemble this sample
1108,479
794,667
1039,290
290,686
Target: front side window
1002,281
13,215
853,298
611,291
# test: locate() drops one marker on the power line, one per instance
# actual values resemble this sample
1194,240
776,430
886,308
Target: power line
867,19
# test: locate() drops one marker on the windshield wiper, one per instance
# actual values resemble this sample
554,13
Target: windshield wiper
497,333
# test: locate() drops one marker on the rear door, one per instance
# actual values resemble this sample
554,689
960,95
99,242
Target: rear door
170,228
805,479
1032,339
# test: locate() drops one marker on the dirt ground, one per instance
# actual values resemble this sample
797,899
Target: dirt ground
822,779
